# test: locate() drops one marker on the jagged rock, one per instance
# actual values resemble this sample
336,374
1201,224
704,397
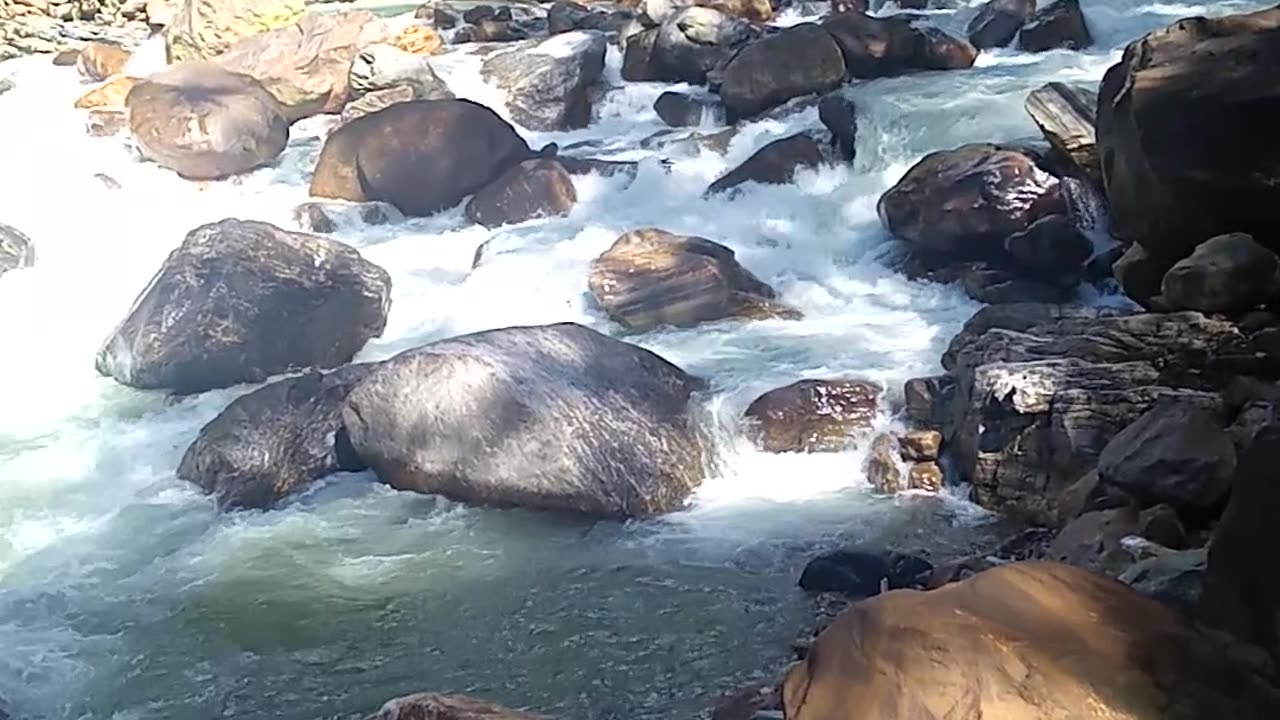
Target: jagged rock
1228,273
1184,134
276,440
533,189
650,277
16,249
242,300
881,47
813,415
203,29
327,217
619,418
205,122
422,156
1025,640
774,164
548,82
862,574
998,22
305,65
800,60
1066,115
1060,24
839,115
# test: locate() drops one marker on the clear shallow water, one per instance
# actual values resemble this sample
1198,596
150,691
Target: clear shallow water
123,594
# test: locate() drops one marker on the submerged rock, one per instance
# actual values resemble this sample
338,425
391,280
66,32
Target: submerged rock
800,60
650,277
813,415
1184,132
533,189
327,217
554,417
864,574
548,82
276,440
16,249
839,116
241,300
205,122
774,164
422,156
432,706
679,110
1025,640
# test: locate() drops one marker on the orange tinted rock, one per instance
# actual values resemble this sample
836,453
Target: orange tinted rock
111,94
419,40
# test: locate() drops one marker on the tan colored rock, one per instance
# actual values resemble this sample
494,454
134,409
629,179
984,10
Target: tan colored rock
99,61
111,94
419,40
203,29
1025,641
813,415
431,706
920,445
103,122
757,11
925,476
882,465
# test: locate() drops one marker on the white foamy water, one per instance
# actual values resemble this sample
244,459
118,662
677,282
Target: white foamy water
125,595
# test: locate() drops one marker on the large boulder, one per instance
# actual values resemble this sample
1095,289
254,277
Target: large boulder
965,202
1040,390
549,82
774,164
650,277
1184,132
305,65
998,21
205,122
813,415
533,189
1060,24
422,156
241,300
203,29
433,706
1228,273
16,250
1066,115
863,573
1025,640
881,47
800,60
686,46
276,440
1242,587
554,416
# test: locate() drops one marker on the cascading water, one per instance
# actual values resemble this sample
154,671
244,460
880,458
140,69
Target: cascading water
124,594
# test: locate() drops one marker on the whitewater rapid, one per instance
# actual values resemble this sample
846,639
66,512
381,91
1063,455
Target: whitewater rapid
125,595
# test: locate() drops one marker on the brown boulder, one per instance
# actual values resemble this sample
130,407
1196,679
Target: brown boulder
535,188
1060,24
926,476
1026,640
998,22
1228,273
305,65
431,706
650,277
205,122
882,47
98,61
883,465
422,156
1185,133
108,95
920,445
774,164
800,60
1093,540
813,415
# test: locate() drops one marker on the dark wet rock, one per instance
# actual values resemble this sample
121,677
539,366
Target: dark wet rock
16,249
491,31
205,122
998,22
1059,24
442,16
1025,640
1161,524
433,706
1175,579
1140,273
882,47
305,65
685,47
928,399
862,574
637,56
535,188
548,82
650,277
1228,273
965,202
1242,589
1184,132
1176,453
276,440
813,415
619,419
1052,244
679,110
327,217
800,60
839,115
1092,540
242,300
565,16
422,156
1066,116
1041,390
380,67
774,164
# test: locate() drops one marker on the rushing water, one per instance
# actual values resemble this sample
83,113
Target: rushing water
124,594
